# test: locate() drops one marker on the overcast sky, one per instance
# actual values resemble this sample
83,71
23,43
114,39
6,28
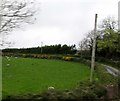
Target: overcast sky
63,22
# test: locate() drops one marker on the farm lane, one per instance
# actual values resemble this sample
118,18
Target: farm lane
112,70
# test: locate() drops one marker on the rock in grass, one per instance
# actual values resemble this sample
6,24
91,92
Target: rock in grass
8,64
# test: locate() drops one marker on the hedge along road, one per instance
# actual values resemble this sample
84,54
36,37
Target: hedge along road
112,70
29,75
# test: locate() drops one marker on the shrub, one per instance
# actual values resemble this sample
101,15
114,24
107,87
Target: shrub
100,91
85,91
89,96
104,76
67,58
119,84
90,90
35,56
23,55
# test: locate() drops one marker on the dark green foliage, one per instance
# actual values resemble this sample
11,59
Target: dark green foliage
100,91
119,84
90,90
107,42
104,76
52,49
85,91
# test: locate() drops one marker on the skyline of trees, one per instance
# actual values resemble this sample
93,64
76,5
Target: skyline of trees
52,49
107,40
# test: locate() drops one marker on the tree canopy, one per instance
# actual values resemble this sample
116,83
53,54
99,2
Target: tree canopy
108,39
52,49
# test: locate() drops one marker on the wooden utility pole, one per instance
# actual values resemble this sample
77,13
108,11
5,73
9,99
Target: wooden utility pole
0,60
93,50
41,47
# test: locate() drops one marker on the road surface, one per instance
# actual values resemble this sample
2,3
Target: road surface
112,70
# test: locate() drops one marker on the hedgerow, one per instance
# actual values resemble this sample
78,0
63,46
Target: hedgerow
84,91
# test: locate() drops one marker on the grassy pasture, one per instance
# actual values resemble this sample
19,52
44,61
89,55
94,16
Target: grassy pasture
28,75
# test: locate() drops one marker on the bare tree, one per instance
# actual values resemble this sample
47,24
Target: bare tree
12,13
87,42
108,23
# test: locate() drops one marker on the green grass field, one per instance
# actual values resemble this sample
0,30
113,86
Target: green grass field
28,75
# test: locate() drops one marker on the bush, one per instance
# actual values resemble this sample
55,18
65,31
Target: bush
94,89
84,91
104,76
119,84
67,58
89,96
100,91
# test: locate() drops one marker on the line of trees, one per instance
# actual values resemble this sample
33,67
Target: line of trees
14,13
107,41
52,49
